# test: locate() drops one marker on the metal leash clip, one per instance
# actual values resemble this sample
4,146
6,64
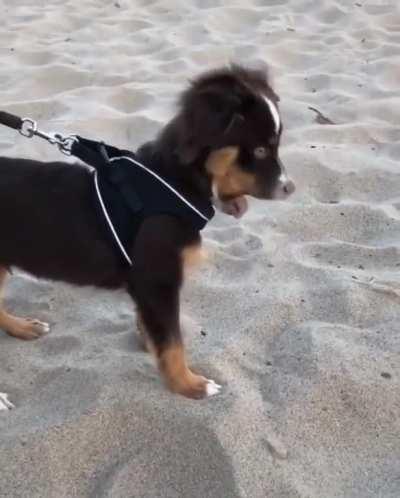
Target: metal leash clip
65,143
29,129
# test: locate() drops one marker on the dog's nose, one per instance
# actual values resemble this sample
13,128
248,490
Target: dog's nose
289,187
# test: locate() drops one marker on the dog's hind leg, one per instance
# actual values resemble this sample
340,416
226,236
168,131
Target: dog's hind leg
22,328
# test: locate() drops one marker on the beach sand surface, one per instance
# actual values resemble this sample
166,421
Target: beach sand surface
296,312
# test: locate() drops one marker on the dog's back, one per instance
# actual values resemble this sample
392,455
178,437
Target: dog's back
40,204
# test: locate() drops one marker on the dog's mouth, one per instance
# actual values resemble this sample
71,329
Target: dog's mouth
235,207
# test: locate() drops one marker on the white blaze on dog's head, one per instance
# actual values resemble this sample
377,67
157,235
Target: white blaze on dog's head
274,113
285,185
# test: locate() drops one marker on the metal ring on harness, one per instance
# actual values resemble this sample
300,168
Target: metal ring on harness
30,129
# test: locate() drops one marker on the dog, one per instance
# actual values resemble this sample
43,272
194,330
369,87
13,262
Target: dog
222,146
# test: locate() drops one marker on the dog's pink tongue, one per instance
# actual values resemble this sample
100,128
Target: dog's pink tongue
235,207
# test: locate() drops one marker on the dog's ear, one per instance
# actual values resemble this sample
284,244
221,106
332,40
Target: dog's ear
207,115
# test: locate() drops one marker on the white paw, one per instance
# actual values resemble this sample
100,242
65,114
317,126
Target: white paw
40,327
4,403
212,388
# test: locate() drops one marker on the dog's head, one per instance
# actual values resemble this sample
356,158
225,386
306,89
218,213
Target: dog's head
231,118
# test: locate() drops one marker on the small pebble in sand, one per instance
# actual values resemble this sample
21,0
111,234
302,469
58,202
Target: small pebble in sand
386,375
276,448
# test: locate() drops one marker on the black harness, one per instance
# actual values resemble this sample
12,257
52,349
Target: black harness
125,191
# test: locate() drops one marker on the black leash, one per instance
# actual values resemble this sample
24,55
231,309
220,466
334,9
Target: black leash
10,120
28,128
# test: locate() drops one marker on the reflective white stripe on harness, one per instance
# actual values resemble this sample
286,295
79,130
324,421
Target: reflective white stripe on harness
183,199
103,207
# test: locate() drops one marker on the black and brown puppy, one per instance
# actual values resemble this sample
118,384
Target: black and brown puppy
223,144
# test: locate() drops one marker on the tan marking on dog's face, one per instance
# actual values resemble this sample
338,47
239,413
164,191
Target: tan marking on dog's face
229,179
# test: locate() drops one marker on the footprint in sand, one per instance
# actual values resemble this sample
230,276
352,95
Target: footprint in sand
351,257
234,241
225,235
36,57
60,345
129,100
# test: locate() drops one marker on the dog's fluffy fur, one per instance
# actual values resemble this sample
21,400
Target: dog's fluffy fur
222,144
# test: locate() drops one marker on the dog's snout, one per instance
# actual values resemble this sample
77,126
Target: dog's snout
289,187
284,187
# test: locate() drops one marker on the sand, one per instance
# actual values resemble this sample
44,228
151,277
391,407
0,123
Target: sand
296,313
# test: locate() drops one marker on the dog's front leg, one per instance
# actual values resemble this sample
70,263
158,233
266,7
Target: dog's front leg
158,308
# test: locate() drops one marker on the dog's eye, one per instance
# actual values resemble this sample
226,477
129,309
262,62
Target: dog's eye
260,152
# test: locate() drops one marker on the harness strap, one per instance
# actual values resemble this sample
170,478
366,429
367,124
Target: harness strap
90,155
127,190
95,154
